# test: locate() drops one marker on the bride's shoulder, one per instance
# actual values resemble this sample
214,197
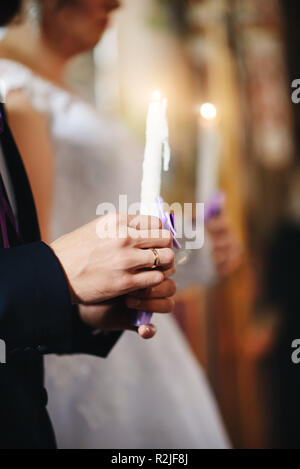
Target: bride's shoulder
16,80
22,101
15,76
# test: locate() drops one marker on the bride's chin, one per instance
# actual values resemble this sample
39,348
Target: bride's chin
93,39
73,45
80,46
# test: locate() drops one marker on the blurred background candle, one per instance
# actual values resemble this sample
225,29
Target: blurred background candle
209,150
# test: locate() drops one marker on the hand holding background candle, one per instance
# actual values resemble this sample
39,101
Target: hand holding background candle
226,247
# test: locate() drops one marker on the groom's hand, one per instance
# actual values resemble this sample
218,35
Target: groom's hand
120,315
112,256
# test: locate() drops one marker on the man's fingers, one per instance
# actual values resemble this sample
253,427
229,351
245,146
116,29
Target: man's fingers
136,222
166,289
169,272
144,239
146,279
161,305
147,332
144,222
145,258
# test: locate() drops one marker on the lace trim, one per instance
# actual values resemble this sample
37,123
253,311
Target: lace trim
43,94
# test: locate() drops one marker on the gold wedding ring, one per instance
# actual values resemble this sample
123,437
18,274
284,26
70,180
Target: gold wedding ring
156,259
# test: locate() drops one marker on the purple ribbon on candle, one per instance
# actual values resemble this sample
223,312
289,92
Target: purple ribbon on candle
214,206
168,221
212,209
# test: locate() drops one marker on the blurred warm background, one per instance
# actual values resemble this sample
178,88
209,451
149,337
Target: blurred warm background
241,56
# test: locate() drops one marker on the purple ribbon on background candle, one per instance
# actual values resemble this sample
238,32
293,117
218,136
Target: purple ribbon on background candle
144,318
214,206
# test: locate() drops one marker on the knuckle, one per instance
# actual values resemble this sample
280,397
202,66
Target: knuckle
135,222
123,241
121,218
125,262
170,256
119,244
152,279
159,278
170,272
126,282
150,258
169,305
172,304
172,287
145,293
155,223
110,217
167,237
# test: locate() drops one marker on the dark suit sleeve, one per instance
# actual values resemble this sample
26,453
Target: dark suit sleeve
35,306
86,342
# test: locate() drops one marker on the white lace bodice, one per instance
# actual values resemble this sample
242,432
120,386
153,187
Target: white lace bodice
91,150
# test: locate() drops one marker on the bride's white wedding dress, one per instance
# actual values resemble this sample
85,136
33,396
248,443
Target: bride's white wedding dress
145,394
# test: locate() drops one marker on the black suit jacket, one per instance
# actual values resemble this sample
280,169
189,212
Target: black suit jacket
36,318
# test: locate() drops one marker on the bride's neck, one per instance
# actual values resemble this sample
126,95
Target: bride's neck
27,46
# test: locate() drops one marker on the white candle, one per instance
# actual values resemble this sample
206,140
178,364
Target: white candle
157,150
209,151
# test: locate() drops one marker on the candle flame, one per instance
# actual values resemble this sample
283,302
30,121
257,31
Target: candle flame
156,95
208,111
